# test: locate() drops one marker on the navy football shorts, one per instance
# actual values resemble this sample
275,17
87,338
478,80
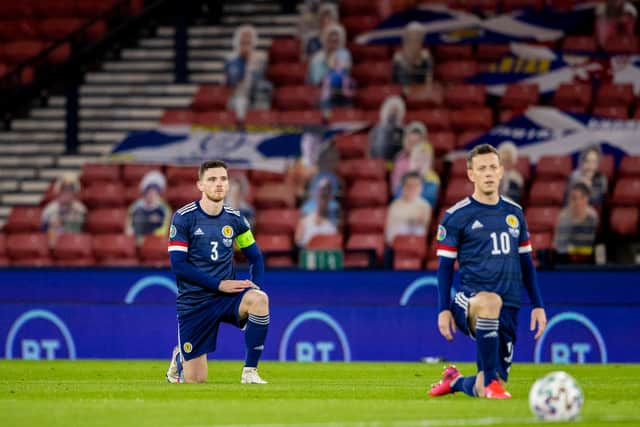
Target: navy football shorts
506,333
198,329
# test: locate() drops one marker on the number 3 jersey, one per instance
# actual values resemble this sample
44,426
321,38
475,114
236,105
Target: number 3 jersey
487,241
208,242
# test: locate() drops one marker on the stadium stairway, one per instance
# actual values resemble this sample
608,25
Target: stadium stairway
126,94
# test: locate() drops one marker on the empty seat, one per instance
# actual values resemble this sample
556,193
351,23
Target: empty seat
352,146
368,53
420,96
353,169
106,220
4,258
211,98
115,249
402,262
626,192
132,173
153,251
361,244
615,94
547,193
607,166
287,73
611,111
435,119
277,221
623,220
553,167
274,195
519,96
74,250
541,241
573,97
99,172
523,165
357,7
107,194
24,218
372,73
455,71
629,166
301,117
409,245
622,45
467,137
367,220
457,189
346,115
177,117
177,174
472,119
367,193
359,24
580,44
465,95
277,249
542,218
491,52
181,194
448,52
214,118
442,142
300,97
284,49
458,168
28,249
510,5
261,118
259,176
325,242
373,97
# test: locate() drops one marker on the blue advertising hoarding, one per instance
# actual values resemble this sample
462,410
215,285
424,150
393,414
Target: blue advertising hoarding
315,316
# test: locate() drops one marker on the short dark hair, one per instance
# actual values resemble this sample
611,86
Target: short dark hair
408,175
481,149
582,187
210,164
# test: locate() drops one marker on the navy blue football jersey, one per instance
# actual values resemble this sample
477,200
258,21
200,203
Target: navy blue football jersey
487,241
208,242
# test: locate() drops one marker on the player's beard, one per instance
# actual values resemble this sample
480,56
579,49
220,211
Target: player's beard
215,198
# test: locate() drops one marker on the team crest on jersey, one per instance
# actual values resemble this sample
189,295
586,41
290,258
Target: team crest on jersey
227,242
187,347
442,233
227,231
172,231
512,221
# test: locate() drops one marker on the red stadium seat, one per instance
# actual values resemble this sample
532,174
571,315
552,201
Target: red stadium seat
354,169
99,172
457,189
410,245
541,241
624,220
214,118
284,49
106,220
325,242
520,96
615,95
287,98
177,117
510,5
367,220
465,95
611,112
458,168
4,258
91,8
211,98
278,221
358,242
420,97
358,7
24,218
28,249
468,136
287,73
153,251
472,119
182,193
476,5
346,115
553,167
300,117
368,53
261,118
449,52
455,71
259,177
491,52
274,195
629,166
373,97
25,29
607,166
523,166
355,25
542,218
13,10
181,174
54,29
580,44
547,193
442,142
401,262
435,119
367,193
573,97
277,249
115,249
73,250
352,146
132,173
626,192
622,45
98,195
372,73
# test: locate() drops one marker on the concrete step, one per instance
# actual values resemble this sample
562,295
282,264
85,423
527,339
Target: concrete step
21,199
96,149
19,172
136,102
14,137
90,137
129,90
121,125
250,8
215,66
131,113
148,66
54,173
150,54
37,185
31,148
76,161
206,78
9,185
26,161
129,77
155,43
36,125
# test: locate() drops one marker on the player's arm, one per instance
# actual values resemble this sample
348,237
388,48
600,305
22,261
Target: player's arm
249,248
447,253
530,282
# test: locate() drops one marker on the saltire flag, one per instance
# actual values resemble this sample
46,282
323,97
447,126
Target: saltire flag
444,25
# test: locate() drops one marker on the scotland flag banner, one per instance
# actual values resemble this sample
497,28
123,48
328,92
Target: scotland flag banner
549,131
268,149
444,25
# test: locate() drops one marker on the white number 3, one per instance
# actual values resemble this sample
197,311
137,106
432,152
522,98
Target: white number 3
214,250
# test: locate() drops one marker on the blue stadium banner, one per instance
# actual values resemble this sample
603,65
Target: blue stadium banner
444,25
316,316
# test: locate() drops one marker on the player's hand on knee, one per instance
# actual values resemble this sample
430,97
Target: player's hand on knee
446,324
234,286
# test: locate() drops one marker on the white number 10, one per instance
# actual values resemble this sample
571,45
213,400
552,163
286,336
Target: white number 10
505,243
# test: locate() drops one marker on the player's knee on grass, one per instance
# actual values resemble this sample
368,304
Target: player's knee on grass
487,304
196,370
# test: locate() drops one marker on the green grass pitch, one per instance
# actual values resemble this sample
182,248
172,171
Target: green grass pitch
134,393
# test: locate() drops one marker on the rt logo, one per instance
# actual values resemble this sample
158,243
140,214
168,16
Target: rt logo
316,337
39,334
570,338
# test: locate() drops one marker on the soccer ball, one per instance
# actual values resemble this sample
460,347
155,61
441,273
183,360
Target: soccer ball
556,397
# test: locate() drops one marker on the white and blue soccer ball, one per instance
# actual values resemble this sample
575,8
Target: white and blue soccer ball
556,397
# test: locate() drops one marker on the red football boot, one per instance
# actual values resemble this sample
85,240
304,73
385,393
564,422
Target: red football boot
443,387
495,391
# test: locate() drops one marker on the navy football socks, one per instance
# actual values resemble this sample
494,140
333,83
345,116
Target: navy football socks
254,337
467,385
487,340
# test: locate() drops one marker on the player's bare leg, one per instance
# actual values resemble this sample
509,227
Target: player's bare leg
255,308
196,370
